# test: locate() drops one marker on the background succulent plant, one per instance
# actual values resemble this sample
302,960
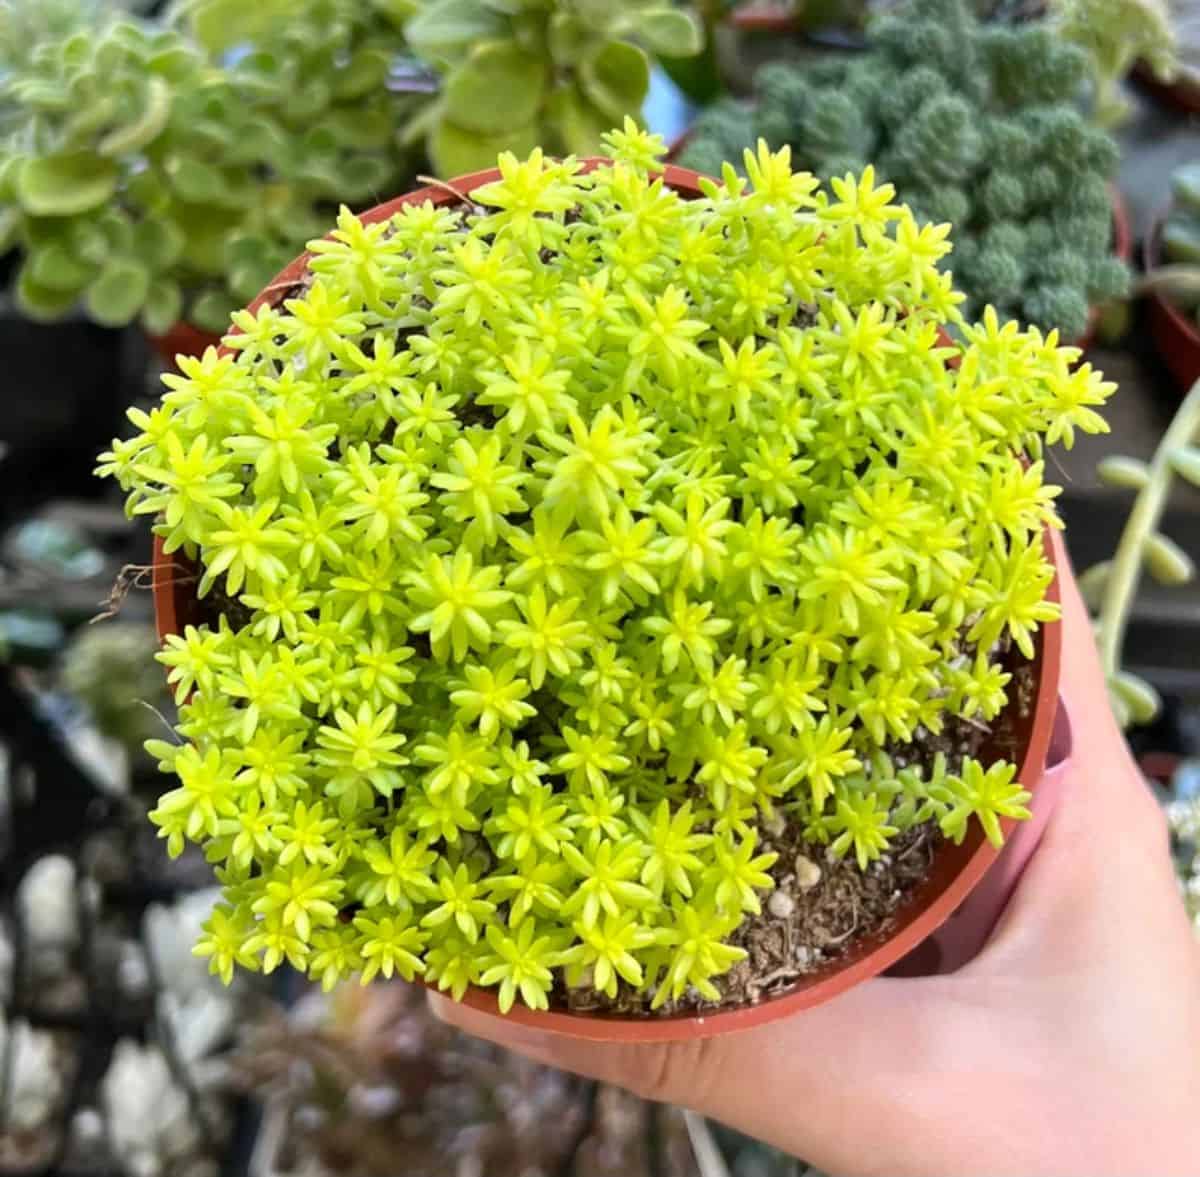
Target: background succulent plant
976,125
148,176
1180,242
554,75
1116,35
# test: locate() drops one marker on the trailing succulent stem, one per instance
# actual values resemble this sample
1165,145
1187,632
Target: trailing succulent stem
1113,584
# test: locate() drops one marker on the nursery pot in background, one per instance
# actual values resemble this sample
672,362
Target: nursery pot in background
1176,335
182,340
956,872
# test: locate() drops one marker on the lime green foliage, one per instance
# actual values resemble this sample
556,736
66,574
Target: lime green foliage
659,519
1116,35
148,177
976,126
555,75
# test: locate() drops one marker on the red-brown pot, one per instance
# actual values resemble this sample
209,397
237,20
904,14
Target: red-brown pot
763,18
1182,95
956,870
1175,334
183,340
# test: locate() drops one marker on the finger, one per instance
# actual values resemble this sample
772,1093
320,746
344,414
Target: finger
807,1084
1105,846
1082,681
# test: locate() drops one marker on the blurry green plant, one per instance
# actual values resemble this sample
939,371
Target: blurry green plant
1116,35
110,669
976,125
518,75
153,179
1177,276
1111,587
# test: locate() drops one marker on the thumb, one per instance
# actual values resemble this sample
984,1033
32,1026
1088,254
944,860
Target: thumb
808,1085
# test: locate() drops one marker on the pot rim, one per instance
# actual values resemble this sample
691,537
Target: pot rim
922,914
1152,258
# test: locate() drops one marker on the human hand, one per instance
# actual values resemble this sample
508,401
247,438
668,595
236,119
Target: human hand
1071,1044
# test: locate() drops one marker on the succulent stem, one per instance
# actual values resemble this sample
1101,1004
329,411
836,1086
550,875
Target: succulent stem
1125,572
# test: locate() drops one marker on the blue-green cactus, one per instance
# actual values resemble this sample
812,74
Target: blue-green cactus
976,125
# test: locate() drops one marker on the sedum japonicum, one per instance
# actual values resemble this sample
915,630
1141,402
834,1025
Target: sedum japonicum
580,530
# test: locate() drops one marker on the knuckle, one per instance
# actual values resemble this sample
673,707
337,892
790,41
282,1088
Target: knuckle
678,1072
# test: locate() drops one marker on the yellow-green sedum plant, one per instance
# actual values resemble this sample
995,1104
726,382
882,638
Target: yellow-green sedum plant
572,541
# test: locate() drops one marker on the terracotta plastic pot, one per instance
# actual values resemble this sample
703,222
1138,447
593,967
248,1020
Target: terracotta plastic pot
1175,334
763,18
1182,95
956,872
183,340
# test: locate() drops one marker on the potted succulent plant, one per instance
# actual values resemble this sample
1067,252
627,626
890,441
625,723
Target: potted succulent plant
977,125
607,596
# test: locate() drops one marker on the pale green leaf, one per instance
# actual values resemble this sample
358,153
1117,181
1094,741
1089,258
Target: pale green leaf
568,38
456,151
497,88
115,298
668,32
63,185
212,311
59,268
1128,473
616,79
1186,463
147,127
39,302
449,28
365,72
164,306
196,182
1141,700
576,122
1169,564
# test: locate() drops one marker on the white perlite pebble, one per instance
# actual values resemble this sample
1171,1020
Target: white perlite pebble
808,874
781,905
775,824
